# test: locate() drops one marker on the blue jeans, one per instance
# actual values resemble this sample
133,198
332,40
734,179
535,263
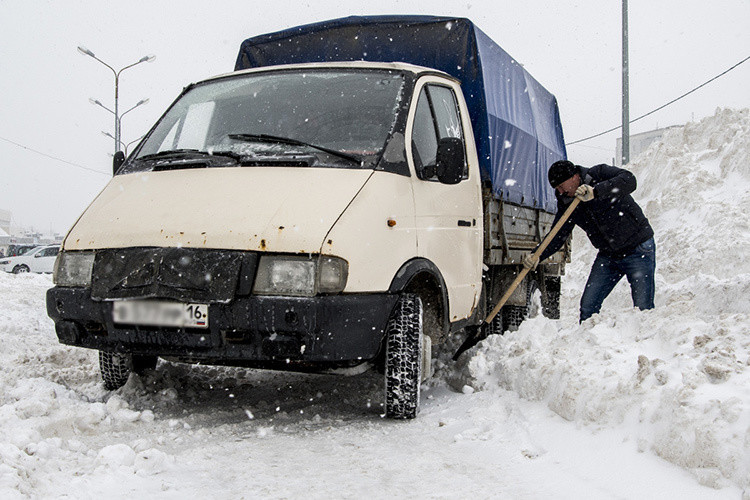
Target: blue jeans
607,271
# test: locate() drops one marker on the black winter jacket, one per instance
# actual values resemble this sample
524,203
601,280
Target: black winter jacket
613,221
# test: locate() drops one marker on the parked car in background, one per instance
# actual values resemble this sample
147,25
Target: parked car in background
15,250
38,260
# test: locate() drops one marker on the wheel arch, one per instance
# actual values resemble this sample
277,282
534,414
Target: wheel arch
19,268
422,277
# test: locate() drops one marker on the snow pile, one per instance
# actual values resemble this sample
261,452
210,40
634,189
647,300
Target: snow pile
674,380
53,406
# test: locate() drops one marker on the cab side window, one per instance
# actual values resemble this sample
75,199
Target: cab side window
436,117
424,135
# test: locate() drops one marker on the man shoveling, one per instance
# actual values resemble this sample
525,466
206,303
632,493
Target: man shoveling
615,225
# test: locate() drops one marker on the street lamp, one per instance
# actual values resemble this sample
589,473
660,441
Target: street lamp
118,140
139,103
124,146
98,103
133,142
104,132
116,73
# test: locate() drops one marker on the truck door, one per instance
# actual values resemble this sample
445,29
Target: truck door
448,217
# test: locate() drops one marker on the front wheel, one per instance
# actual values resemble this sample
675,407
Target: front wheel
115,369
21,269
403,358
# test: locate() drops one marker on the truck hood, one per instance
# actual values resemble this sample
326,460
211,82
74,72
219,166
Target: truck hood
274,209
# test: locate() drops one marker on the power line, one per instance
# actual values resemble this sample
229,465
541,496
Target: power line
595,147
54,157
567,144
662,106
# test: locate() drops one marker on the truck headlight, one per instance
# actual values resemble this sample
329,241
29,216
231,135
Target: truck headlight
73,268
300,275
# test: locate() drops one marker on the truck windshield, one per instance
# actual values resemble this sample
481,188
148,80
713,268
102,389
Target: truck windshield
332,118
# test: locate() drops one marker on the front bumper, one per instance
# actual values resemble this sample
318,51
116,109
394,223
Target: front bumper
302,333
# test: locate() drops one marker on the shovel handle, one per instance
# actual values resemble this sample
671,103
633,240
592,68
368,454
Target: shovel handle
542,246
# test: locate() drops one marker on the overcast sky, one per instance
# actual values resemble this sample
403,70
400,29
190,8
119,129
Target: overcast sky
573,47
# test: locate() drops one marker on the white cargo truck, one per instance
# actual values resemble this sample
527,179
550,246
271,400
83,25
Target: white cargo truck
319,212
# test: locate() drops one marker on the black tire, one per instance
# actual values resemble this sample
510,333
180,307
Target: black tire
551,297
21,269
142,364
513,316
495,327
510,317
115,369
403,358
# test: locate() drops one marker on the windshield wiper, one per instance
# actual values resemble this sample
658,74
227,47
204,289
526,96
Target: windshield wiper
177,153
294,142
189,154
177,159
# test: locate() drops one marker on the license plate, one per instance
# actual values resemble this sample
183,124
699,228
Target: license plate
155,313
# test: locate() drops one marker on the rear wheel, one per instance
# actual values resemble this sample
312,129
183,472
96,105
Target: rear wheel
115,369
403,358
21,269
513,316
510,317
495,327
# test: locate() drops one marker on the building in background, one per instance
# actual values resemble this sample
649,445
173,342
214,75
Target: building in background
4,230
5,216
12,234
639,143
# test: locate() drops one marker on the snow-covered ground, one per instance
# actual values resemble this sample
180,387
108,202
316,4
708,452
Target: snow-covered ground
630,404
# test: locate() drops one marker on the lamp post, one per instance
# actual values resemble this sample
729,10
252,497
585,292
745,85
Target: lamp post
116,73
625,159
133,142
124,146
118,140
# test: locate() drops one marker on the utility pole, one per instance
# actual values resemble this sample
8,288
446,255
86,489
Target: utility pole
625,87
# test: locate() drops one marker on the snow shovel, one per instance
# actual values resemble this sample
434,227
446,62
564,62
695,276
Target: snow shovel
474,338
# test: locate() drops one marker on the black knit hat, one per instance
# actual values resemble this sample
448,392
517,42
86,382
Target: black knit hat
561,171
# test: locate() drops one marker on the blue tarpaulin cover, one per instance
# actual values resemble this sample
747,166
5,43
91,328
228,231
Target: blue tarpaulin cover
516,121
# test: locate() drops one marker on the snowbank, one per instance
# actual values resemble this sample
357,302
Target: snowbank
53,405
675,380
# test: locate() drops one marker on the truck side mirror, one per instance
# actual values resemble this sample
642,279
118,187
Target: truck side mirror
450,160
117,161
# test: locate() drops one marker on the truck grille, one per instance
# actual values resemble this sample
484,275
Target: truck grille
184,274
